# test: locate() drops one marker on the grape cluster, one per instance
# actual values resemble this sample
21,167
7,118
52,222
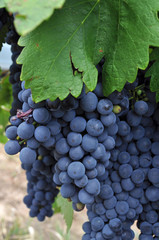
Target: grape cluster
130,190
101,152
29,135
81,151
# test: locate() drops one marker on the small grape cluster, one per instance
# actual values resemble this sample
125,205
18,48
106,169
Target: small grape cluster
4,19
82,157
15,69
30,136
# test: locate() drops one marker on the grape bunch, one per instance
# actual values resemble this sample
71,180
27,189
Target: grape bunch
130,190
101,152
81,152
34,141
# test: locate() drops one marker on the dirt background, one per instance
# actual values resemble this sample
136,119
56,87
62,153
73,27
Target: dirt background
14,220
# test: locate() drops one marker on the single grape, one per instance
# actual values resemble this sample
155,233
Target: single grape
42,134
122,207
89,102
89,162
123,128
97,224
155,148
141,107
153,175
93,187
85,197
25,130
54,127
89,143
76,170
104,106
74,139
67,190
61,146
41,115
78,124
63,163
11,132
76,153
94,127
125,170
12,147
27,155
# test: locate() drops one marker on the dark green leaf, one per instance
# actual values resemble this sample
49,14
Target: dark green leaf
66,210
31,13
80,34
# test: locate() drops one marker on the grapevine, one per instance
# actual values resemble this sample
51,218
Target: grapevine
85,120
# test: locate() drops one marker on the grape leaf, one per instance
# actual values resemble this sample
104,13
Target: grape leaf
54,47
2,4
31,13
66,210
153,72
78,36
135,27
55,206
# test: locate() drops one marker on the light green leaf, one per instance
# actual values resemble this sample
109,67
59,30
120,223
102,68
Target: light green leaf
52,48
153,72
31,13
2,4
5,90
5,104
66,210
79,35
55,206
4,117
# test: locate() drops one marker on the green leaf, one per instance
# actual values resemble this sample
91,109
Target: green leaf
2,4
55,206
153,72
79,35
135,26
66,210
5,90
31,13
4,116
54,47
5,104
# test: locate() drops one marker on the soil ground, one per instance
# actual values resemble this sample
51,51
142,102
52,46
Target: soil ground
15,224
